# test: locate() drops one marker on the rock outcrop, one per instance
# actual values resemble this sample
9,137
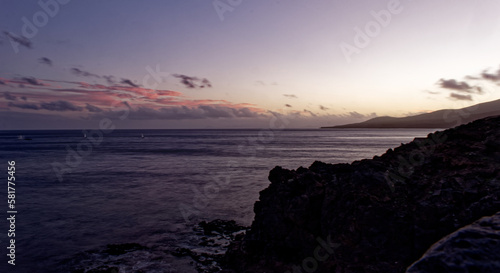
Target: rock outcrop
377,215
474,248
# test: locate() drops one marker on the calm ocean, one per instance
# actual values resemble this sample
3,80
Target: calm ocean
151,190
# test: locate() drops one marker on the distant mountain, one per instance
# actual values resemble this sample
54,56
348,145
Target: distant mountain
438,119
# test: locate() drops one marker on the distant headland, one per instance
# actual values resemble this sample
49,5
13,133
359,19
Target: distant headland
445,118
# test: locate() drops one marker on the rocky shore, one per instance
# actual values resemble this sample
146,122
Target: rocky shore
379,215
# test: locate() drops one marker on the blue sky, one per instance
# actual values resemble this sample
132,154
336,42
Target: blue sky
236,64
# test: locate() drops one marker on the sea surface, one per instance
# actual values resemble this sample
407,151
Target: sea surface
75,195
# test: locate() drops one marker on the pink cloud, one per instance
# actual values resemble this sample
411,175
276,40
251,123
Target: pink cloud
25,81
80,94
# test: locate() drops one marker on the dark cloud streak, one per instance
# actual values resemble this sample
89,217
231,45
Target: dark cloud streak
129,82
31,81
456,96
109,79
19,39
60,106
9,96
92,108
45,60
29,106
79,72
193,82
456,85
310,113
491,77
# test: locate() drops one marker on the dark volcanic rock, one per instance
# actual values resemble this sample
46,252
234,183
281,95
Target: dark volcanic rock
377,215
123,248
104,269
474,248
220,227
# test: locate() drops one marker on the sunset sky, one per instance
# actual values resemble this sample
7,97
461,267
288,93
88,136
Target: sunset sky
237,63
